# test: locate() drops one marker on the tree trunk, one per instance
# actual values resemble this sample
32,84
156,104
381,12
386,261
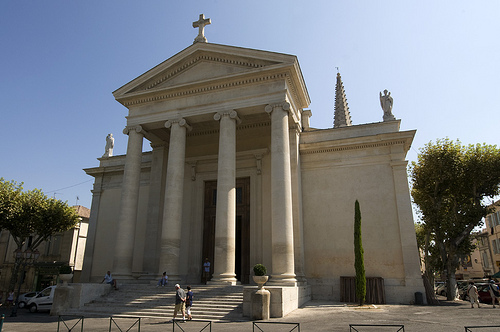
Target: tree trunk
451,286
428,273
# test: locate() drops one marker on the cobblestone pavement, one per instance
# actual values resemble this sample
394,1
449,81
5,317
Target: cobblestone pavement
314,316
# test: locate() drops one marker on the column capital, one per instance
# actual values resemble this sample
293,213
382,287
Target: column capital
138,129
181,122
284,106
231,114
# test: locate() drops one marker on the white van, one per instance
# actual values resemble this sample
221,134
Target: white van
43,301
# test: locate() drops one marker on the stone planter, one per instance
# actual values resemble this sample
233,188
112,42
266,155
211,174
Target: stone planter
65,278
261,299
260,280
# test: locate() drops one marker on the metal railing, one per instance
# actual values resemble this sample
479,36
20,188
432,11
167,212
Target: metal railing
352,327
256,325
191,323
468,328
62,320
112,320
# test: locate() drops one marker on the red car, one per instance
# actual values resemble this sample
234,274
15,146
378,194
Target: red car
484,293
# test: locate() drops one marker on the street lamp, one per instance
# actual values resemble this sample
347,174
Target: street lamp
23,258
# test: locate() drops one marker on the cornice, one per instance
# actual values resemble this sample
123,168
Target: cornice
178,92
102,170
305,150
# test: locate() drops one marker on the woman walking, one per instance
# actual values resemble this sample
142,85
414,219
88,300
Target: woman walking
473,295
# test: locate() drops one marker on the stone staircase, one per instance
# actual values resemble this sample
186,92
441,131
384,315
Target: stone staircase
211,302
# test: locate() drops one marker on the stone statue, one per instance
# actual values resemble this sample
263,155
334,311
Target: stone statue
110,143
386,103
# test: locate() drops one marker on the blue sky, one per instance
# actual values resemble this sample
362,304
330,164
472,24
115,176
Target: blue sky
61,61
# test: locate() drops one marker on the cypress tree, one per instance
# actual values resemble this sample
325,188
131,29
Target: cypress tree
359,263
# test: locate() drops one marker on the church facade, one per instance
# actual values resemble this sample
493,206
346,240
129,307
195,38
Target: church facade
237,175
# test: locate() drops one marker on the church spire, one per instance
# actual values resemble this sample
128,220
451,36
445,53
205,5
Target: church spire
342,117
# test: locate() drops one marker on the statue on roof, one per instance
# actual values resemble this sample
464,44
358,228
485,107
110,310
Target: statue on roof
386,103
110,143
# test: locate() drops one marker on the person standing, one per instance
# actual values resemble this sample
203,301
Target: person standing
206,271
473,295
494,292
10,299
189,302
180,302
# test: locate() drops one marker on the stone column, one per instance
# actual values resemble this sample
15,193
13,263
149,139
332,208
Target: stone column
92,230
298,229
283,269
225,215
155,210
411,259
125,231
172,207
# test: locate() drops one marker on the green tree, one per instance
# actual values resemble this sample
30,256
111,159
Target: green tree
9,198
449,184
427,245
359,263
31,217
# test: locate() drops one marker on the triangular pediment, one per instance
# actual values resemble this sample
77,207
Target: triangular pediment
200,67
203,62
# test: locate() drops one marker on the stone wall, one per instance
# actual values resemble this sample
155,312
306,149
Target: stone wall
74,296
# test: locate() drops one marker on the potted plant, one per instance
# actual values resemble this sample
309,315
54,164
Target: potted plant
65,274
260,277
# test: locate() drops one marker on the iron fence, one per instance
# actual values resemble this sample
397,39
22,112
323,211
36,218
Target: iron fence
207,324
62,320
137,321
352,327
296,326
469,328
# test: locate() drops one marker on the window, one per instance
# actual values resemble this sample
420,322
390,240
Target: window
485,260
496,246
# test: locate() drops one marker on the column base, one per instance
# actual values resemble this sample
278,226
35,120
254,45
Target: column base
287,280
223,280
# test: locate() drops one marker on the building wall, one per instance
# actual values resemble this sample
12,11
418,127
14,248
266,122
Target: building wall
60,249
330,182
333,179
490,241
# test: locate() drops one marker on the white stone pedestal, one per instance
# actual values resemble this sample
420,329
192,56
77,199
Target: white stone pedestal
283,299
261,301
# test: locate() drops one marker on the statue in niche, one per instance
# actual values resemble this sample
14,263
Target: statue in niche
386,103
110,143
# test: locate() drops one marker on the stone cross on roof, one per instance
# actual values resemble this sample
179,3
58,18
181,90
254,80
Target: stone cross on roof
201,25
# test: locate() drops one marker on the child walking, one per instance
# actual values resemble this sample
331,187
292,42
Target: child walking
189,302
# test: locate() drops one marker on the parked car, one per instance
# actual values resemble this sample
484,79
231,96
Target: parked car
437,284
24,298
483,291
43,301
441,289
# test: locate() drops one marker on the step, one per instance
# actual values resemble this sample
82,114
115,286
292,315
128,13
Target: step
211,302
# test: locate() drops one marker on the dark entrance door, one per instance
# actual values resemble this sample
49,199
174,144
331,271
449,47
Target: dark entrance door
242,259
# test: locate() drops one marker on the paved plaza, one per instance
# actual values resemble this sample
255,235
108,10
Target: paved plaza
315,316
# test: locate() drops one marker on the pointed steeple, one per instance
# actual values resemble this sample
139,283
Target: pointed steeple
342,117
